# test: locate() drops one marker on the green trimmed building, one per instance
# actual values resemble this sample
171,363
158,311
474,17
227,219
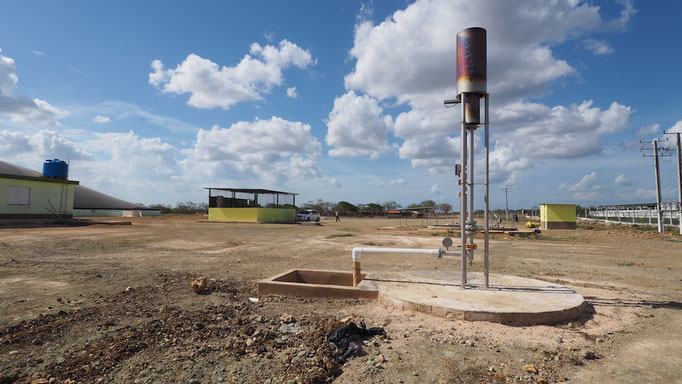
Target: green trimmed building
27,197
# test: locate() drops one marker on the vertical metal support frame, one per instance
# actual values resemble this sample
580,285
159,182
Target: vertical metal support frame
463,192
486,181
467,222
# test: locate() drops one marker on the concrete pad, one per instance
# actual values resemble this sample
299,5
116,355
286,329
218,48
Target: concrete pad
510,299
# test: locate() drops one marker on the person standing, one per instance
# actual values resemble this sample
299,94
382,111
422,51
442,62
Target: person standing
337,215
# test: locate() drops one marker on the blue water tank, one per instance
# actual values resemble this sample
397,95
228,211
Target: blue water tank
56,168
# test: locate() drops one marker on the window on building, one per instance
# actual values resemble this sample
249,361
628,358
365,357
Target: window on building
18,195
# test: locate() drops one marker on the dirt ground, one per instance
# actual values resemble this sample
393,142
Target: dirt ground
113,304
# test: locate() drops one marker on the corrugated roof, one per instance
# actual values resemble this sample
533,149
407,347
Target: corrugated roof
83,197
86,198
250,190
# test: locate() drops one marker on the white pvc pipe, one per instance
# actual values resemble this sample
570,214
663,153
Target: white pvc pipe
357,252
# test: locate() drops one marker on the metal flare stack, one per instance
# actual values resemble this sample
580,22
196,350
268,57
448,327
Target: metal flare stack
471,88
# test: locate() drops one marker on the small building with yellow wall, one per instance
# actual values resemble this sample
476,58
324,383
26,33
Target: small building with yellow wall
557,216
28,197
251,205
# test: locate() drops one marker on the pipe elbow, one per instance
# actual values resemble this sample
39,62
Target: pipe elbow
356,254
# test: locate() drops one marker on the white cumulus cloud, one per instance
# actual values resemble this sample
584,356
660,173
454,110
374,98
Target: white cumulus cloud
598,47
291,92
357,127
622,180
44,144
213,86
21,109
101,119
648,130
588,182
261,149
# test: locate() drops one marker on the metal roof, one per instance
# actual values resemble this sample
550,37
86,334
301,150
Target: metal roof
251,190
86,198
12,171
83,197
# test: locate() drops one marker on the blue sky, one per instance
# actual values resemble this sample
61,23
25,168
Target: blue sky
339,100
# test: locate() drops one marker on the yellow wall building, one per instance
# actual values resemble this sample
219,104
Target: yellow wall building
251,205
26,198
557,216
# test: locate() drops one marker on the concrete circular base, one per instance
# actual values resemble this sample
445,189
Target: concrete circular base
509,300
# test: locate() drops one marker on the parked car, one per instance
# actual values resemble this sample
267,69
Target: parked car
308,215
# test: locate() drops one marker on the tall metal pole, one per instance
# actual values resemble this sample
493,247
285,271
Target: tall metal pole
463,193
506,203
679,178
472,222
658,189
487,193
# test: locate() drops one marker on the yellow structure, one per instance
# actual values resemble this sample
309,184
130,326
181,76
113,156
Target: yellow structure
557,216
251,205
27,197
260,215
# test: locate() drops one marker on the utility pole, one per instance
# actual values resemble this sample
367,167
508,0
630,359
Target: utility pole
659,208
506,202
679,175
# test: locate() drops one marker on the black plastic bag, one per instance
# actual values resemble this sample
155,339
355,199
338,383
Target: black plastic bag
348,339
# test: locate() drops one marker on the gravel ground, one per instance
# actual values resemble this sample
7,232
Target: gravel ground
113,304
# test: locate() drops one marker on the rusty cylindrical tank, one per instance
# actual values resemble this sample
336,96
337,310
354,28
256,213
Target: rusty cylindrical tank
472,70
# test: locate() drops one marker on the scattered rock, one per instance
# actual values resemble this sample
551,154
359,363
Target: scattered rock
199,284
559,340
287,318
590,355
37,341
530,368
249,342
289,328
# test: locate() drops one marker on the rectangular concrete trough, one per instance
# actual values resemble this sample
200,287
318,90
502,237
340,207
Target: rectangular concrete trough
314,283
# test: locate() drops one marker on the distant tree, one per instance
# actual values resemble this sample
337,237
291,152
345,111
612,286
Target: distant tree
324,207
443,208
374,208
190,208
423,204
346,207
390,205
163,208
182,208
